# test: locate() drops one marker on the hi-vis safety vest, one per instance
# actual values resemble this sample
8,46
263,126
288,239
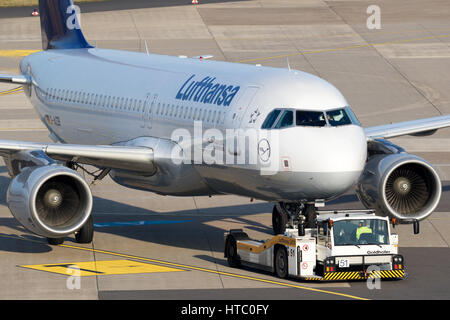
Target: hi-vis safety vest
362,230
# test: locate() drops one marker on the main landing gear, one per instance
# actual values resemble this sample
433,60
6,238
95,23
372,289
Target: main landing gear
290,215
84,235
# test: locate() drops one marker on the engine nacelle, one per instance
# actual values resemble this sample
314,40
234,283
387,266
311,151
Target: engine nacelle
52,201
399,185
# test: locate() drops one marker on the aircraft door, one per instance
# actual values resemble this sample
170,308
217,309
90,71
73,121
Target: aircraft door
143,111
146,111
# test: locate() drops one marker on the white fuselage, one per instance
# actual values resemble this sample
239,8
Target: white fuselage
104,97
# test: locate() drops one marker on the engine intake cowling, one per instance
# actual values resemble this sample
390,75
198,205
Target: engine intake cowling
400,185
51,201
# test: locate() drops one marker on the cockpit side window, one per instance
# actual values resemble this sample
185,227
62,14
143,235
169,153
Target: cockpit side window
268,123
286,119
338,118
310,118
352,116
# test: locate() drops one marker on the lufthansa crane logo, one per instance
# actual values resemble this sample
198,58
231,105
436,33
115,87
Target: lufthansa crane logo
264,150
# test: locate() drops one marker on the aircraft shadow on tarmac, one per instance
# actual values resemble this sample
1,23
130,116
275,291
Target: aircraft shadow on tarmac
183,229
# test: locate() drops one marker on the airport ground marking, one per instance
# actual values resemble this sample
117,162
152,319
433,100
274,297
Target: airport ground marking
102,267
11,91
366,45
182,266
17,53
341,35
23,53
214,271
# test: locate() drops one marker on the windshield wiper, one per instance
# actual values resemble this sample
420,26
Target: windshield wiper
348,244
376,244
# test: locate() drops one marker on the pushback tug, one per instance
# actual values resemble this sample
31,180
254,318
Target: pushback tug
344,245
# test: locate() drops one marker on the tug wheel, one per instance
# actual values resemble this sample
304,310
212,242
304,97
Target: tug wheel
281,263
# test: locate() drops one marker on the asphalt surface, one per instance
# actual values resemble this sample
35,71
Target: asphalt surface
109,5
155,247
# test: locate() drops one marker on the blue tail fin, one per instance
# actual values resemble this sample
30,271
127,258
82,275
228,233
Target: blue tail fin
60,26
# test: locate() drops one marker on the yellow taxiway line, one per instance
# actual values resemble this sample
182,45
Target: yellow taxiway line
24,53
366,45
12,91
234,275
16,53
182,266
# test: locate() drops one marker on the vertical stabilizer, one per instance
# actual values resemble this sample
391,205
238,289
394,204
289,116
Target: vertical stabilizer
60,25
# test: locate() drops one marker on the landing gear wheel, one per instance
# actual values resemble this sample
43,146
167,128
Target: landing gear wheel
231,250
55,241
281,263
311,215
279,220
86,233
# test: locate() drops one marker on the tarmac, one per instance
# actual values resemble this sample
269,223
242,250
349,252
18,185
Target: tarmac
148,246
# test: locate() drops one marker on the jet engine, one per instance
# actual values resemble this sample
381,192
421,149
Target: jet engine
52,201
399,185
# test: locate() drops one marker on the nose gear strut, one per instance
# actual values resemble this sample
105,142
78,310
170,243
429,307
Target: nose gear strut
290,215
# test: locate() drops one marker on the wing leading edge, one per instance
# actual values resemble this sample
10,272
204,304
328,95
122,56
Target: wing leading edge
116,157
425,126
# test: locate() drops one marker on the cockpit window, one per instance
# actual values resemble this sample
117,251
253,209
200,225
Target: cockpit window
268,123
338,118
286,119
283,118
352,116
310,118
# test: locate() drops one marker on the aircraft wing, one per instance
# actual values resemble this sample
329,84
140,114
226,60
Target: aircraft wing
116,157
18,79
421,127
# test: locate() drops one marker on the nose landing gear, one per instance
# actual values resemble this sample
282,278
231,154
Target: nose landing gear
290,215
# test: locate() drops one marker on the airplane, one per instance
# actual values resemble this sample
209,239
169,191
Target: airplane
130,114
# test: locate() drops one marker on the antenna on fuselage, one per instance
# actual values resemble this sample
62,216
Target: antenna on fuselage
287,62
146,47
